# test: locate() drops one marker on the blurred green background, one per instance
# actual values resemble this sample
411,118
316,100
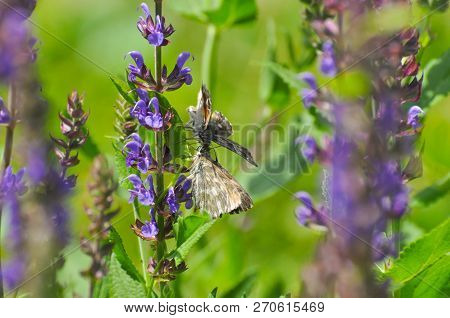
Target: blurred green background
82,42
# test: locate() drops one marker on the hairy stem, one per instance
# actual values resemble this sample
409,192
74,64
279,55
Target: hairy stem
160,243
209,60
12,100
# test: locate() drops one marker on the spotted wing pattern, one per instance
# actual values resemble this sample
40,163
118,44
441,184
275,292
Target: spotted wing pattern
215,190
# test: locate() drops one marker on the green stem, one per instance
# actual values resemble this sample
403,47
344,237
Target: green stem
209,59
12,100
160,242
158,52
141,244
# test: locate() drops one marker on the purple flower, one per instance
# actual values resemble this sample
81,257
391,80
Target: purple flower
139,70
328,62
138,154
182,187
309,95
4,113
309,79
307,214
383,246
150,229
147,112
155,32
309,147
180,75
12,184
171,200
414,114
390,191
144,192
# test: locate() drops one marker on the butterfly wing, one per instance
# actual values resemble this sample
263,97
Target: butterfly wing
215,190
234,147
200,115
220,125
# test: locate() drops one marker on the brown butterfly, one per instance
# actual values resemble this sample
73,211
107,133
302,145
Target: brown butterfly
214,189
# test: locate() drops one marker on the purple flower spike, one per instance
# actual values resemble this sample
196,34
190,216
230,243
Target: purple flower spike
149,230
309,147
145,193
138,154
328,62
155,32
4,113
414,115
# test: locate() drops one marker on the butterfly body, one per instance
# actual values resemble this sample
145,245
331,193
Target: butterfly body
214,189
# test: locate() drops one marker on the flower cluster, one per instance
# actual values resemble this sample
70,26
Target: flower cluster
142,76
72,127
154,31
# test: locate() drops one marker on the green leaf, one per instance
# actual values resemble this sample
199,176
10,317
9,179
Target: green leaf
121,284
432,193
242,289
222,13
285,164
213,293
123,90
122,256
273,90
186,226
436,82
432,282
180,253
416,261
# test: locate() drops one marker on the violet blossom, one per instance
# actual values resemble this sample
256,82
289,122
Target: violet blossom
414,114
155,32
138,154
309,94
307,214
143,191
328,61
148,113
141,75
5,117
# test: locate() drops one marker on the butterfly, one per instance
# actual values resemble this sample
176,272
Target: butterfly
214,189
